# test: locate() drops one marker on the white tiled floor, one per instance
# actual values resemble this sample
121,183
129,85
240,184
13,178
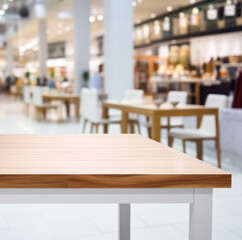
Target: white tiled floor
99,222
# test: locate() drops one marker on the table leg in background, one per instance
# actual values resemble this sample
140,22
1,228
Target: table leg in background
78,109
199,121
155,129
197,93
201,215
124,221
67,103
105,115
148,128
125,119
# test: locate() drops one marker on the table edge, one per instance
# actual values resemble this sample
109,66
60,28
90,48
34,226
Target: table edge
221,180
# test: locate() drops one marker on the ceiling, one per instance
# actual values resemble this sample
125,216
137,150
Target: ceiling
62,29
147,7
11,8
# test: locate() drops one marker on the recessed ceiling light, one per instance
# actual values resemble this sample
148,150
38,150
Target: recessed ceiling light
192,1
134,3
2,12
60,25
169,8
152,15
100,17
67,29
139,1
5,6
94,11
92,19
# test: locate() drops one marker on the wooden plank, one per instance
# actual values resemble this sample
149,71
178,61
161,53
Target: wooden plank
100,161
66,98
58,96
148,109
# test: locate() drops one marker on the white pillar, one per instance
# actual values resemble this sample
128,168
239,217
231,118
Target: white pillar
42,48
81,14
118,47
9,57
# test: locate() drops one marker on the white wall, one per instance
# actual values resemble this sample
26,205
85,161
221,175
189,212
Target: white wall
204,48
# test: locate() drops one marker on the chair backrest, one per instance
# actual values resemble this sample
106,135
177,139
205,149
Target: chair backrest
45,89
27,98
177,96
84,102
92,111
213,100
134,95
37,96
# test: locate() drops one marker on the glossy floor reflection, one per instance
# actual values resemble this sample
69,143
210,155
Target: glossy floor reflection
99,222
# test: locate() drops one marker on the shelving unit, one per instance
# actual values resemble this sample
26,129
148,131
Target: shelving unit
151,60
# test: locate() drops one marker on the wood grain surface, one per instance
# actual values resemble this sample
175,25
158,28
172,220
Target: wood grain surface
67,98
100,161
60,96
148,108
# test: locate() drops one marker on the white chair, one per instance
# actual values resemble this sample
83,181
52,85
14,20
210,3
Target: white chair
27,98
173,122
93,113
207,130
39,106
133,96
181,98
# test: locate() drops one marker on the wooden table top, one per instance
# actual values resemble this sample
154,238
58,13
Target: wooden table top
61,96
165,107
151,105
100,161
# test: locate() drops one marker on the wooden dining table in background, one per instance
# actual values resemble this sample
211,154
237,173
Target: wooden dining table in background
103,168
67,98
149,109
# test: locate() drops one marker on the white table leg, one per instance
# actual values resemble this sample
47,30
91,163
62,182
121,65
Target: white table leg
201,215
124,221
